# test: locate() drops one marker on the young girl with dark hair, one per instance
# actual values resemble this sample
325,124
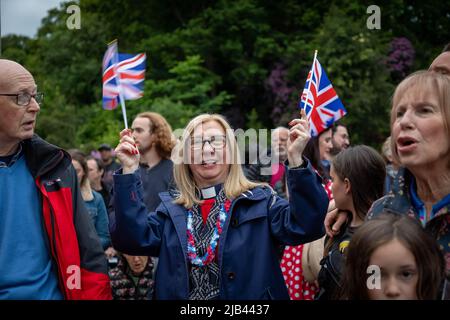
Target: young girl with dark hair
392,257
358,176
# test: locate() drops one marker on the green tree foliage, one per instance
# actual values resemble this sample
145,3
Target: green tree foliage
224,56
16,48
358,75
187,93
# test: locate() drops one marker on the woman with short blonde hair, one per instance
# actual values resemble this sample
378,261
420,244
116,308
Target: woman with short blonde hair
217,236
431,83
235,184
420,131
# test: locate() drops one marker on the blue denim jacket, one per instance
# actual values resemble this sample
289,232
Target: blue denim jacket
97,211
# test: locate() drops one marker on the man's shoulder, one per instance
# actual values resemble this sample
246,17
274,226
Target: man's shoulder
44,158
163,170
166,164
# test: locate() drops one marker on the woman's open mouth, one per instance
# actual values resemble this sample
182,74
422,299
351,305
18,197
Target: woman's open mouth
406,144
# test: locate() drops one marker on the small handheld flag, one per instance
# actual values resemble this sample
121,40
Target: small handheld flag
123,78
319,100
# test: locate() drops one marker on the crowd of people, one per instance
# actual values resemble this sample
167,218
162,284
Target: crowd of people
165,218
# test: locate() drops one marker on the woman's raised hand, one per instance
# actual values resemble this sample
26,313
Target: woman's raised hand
298,138
127,152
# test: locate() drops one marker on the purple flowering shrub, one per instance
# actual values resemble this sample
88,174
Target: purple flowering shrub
400,58
278,86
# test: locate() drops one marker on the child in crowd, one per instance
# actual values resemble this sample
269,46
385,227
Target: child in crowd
358,175
132,278
392,257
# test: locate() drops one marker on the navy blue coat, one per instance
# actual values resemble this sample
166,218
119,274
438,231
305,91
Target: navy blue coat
257,223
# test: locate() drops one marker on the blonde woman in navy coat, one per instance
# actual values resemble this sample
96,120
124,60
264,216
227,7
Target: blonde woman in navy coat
217,235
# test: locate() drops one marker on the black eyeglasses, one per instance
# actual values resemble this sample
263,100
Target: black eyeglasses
23,99
217,142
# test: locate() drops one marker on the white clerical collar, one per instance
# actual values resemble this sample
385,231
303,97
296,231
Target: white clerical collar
210,192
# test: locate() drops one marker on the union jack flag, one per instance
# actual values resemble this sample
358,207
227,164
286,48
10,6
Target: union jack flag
122,74
320,101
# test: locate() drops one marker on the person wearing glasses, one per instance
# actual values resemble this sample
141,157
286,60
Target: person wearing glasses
217,235
49,248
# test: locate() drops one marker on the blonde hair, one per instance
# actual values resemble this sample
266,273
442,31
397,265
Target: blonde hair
235,184
423,80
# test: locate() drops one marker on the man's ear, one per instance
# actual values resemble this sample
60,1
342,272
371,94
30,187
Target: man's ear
347,186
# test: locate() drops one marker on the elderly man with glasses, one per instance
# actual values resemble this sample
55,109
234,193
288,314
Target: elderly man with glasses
49,248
